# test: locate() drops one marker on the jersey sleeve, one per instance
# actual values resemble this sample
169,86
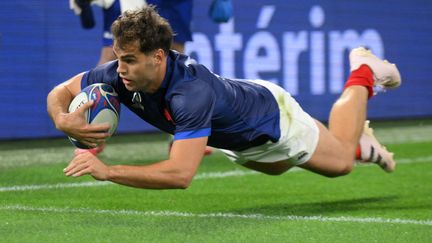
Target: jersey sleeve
105,73
192,109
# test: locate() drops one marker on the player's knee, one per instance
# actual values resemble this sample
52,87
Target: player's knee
346,170
343,170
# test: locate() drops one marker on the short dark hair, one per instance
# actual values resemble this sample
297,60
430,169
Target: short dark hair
145,26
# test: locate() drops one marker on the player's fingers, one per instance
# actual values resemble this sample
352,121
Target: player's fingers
94,140
90,135
85,106
70,167
90,142
85,167
84,171
104,127
77,160
94,136
89,138
77,169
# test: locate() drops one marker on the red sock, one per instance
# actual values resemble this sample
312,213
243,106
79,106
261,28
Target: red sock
363,76
358,152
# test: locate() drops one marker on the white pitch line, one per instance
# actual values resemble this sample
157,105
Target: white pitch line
54,186
208,175
201,176
414,160
317,218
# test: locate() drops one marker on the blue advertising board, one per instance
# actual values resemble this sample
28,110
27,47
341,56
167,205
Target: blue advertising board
301,45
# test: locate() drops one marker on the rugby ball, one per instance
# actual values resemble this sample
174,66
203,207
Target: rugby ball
105,108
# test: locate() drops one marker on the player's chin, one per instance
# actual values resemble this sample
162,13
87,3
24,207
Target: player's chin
130,87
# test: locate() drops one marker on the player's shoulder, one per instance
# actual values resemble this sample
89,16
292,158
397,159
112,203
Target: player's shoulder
107,70
191,97
182,69
192,92
108,67
105,73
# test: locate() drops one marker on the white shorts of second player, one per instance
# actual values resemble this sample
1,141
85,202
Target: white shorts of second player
299,134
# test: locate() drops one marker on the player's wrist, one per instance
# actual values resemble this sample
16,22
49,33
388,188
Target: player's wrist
59,121
111,173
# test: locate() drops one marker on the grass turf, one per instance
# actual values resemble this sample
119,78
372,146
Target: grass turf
245,208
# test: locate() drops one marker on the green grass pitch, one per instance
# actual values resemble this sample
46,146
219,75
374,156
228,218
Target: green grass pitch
225,203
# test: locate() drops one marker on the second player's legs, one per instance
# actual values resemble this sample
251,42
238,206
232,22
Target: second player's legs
106,55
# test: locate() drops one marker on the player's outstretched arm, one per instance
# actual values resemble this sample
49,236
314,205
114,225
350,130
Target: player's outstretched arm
59,98
175,173
73,124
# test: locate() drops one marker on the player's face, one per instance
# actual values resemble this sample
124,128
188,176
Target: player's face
138,71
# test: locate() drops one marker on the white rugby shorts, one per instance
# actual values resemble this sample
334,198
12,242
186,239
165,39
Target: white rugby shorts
298,139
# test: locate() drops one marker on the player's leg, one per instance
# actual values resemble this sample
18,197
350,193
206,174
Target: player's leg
334,154
275,168
336,149
106,55
337,146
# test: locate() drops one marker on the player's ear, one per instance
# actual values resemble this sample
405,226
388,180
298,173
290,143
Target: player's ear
159,56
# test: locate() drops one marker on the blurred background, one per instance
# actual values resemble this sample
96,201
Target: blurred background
301,45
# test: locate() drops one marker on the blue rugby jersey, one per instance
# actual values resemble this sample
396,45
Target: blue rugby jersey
194,102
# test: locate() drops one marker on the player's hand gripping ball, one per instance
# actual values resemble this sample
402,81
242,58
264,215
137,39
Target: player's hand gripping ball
105,108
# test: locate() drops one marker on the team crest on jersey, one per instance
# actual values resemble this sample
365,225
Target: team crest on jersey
136,100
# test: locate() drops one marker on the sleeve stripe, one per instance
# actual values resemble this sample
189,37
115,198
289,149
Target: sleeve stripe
204,132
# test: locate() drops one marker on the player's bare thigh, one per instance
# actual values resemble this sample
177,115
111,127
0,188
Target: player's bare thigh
330,158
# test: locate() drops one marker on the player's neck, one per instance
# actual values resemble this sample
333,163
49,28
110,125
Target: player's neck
160,76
